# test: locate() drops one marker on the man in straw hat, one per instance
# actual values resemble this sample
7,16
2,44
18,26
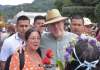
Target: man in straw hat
56,39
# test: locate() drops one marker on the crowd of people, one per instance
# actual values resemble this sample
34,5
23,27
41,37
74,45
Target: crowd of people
26,45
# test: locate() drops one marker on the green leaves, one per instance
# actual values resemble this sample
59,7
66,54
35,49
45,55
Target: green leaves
59,65
82,10
97,12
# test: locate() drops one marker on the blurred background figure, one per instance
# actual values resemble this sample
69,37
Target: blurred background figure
11,29
38,21
3,35
98,34
88,26
67,25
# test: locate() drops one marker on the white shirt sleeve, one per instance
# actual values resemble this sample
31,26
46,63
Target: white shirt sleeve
5,50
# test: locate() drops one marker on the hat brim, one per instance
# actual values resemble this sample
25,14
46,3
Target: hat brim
55,20
88,24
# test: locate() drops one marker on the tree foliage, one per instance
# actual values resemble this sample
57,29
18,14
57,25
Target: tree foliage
97,12
59,4
1,13
71,10
36,6
86,2
88,8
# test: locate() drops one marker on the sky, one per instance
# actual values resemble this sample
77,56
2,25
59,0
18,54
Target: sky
14,2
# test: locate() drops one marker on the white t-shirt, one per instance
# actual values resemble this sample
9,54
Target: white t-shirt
9,46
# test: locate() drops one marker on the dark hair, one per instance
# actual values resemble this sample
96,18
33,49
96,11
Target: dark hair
29,31
22,18
39,18
87,52
84,52
27,34
97,32
77,17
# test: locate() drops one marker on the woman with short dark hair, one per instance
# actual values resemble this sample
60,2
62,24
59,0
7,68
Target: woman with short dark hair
30,59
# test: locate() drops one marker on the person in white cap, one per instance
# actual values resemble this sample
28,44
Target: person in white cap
57,38
87,25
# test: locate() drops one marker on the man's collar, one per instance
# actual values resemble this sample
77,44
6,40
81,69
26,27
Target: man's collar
17,36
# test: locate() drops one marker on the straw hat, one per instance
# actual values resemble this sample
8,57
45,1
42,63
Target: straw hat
53,16
87,21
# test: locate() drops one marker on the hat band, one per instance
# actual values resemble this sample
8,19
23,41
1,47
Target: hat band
53,18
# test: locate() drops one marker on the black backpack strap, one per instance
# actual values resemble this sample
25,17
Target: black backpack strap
21,59
8,63
39,51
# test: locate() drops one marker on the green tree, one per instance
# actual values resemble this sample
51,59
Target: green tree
86,2
72,10
97,12
67,2
88,8
1,13
59,4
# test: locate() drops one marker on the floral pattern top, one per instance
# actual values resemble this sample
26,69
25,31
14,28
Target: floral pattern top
31,62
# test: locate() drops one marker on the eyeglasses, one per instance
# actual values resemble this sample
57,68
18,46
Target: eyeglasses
38,38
